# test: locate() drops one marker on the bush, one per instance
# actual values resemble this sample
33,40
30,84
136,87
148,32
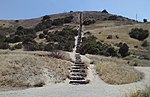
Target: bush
30,45
145,43
49,47
20,28
109,37
39,84
18,46
58,22
41,36
45,32
111,51
117,36
104,11
144,20
88,22
39,27
14,39
2,38
68,19
57,54
4,45
124,50
90,45
112,17
139,33
16,21
46,17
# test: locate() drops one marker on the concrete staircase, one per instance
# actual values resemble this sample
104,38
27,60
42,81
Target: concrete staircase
78,71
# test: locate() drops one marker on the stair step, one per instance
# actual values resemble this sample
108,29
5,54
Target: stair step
79,62
77,71
79,74
78,67
76,82
76,78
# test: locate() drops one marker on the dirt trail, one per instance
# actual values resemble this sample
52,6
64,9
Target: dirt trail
95,88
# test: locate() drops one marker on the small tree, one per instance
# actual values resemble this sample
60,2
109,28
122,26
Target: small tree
104,11
144,20
124,50
46,17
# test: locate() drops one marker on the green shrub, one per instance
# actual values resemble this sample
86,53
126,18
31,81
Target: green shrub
58,22
104,11
111,51
112,17
30,45
2,37
39,84
39,27
68,19
46,17
144,20
88,22
109,37
90,45
45,31
4,45
124,50
14,39
139,33
18,46
41,36
49,47
145,43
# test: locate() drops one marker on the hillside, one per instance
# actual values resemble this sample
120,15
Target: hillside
33,46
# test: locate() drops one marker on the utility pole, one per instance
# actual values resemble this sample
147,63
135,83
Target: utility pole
136,17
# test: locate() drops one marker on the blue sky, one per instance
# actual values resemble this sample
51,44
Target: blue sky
26,9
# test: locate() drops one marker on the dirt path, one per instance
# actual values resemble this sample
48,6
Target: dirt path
96,87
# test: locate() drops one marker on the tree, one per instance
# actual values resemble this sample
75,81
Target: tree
144,20
104,11
139,33
124,50
46,17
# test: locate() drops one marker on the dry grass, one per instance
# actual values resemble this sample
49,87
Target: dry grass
26,70
141,93
115,71
121,29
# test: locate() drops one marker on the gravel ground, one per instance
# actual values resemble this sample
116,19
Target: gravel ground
96,88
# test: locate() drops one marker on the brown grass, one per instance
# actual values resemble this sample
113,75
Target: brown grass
115,71
120,29
141,93
25,70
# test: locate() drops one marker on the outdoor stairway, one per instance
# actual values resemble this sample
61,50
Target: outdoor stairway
78,71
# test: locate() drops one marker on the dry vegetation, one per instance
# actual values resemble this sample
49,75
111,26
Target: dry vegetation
119,28
141,93
115,71
28,69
